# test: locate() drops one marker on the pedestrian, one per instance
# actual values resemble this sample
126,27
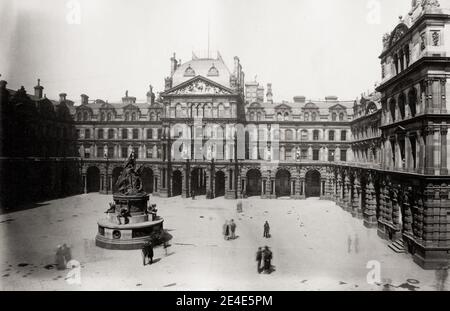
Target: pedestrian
226,230
67,254
193,194
233,229
266,230
239,207
60,261
267,257
147,252
259,255
349,244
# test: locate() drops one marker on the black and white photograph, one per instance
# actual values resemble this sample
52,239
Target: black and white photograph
225,146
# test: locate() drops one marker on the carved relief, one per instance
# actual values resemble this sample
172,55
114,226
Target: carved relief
200,87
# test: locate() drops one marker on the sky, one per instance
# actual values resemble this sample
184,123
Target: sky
313,48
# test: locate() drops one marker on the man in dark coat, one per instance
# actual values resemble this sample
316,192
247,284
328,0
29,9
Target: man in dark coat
266,230
259,255
267,256
147,252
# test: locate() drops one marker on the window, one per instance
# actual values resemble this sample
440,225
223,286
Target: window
79,116
341,117
313,116
334,116
109,118
100,134
316,155
304,154
124,133
306,116
136,152
149,152
331,155
124,152
110,152
159,133
289,135
149,133
87,134
344,155
102,116
316,135
100,152
85,116
133,116
304,135
331,136
343,135
87,153
127,116
135,134
78,134
110,134
288,154
213,72
189,72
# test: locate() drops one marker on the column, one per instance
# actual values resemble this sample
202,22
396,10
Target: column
444,134
356,203
84,183
443,96
370,211
429,167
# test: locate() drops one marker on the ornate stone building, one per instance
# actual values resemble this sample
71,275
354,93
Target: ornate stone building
38,158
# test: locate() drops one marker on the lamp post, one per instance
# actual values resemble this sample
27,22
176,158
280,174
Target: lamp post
106,157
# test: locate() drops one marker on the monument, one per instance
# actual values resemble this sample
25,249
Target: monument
131,220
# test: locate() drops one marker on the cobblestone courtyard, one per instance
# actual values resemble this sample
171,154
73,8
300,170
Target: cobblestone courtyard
316,246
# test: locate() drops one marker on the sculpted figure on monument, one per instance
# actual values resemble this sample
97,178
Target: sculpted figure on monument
130,181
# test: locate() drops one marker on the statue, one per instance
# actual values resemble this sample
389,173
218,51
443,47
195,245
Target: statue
130,181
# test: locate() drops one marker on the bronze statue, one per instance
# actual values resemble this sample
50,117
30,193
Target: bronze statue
130,181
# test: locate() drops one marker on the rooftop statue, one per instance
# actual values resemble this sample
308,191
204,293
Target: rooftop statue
130,182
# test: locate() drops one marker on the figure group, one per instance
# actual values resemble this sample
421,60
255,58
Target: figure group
264,256
152,210
229,230
63,256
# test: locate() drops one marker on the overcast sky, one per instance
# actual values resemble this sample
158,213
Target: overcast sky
313,48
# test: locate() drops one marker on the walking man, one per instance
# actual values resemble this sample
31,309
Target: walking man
226,230
266,230
259,255
233,229
267,256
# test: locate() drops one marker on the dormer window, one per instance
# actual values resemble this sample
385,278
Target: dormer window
189,72
213,72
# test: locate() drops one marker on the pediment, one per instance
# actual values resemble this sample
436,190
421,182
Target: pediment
107,106
338,107
130,107
198,86
283,107
398,33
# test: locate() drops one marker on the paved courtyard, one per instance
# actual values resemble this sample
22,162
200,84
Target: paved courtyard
310,241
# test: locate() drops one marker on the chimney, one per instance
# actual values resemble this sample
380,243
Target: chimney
84,99
269,94
236,65
38,89
3,84
173,64
62,97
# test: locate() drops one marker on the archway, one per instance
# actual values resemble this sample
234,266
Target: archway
147,179
253,183
283,183
312,184
177,183
219,184
93,179
198,181
115,176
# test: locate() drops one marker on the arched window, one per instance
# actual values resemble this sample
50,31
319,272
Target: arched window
85,116
280,117
133,116
127,116
158,116
152,116
401,105
208,111
306,116
334,116
252,116
286,116
110,134
259,116
79,116
178,111
109,116
392,105
102,116
313,116
341,117
412,101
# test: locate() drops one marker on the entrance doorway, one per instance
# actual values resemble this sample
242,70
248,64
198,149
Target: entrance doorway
93,179
283,183
177,183
219,184
253,183
312,184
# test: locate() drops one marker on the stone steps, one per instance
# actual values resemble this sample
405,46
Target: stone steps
398,247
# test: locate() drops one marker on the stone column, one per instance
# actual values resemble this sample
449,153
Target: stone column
84,183
347,197
444,133
356,202
429,147
370,211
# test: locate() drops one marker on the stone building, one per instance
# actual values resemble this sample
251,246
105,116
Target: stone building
37,155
